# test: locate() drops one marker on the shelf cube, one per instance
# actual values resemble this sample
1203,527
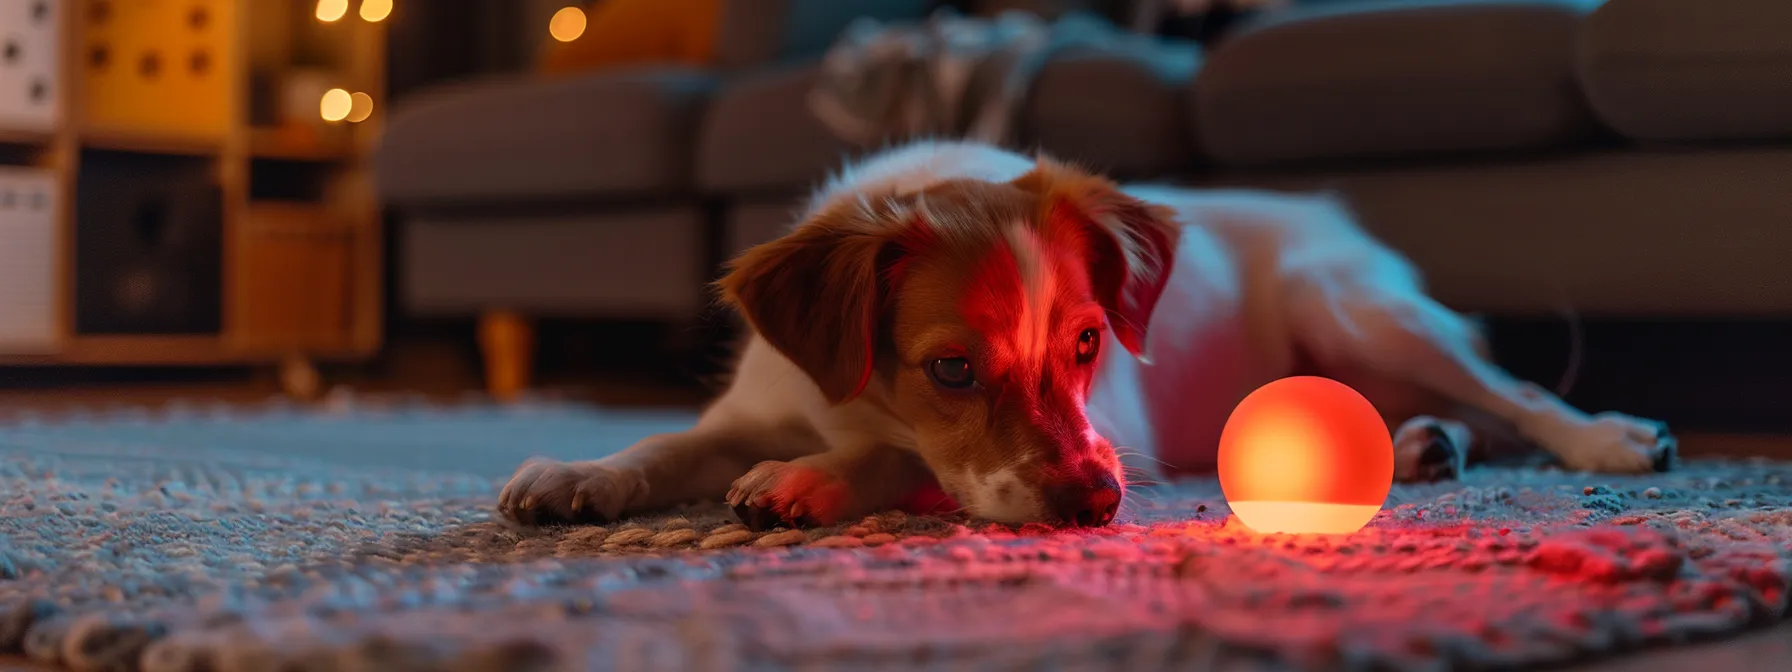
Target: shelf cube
148,245
158,66
30,56
28,202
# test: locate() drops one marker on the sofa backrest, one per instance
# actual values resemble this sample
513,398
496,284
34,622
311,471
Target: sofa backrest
1050,9
763,32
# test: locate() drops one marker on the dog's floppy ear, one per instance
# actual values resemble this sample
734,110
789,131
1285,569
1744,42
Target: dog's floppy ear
815,295
1131,243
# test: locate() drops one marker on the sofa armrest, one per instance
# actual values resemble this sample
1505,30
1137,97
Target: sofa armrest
627,132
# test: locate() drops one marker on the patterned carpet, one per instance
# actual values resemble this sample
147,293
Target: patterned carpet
358,538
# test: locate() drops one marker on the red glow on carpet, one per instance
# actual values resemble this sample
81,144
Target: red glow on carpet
1305,455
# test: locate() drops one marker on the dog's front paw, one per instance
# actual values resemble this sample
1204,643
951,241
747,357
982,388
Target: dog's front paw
1621,444
546,492
775,493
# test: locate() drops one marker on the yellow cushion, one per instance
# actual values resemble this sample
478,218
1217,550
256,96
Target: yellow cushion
639,32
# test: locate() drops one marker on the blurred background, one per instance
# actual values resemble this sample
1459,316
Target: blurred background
237,198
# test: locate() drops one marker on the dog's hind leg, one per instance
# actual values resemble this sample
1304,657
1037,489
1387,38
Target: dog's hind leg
1428,449
1432,442
1410,337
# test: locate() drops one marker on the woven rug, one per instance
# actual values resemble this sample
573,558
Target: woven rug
357,537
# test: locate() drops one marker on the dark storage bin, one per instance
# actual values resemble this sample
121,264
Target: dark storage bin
148,245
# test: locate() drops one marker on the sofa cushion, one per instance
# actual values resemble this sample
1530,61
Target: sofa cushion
1116,111
1392,78
1668,70
623,133
1629,234
759,135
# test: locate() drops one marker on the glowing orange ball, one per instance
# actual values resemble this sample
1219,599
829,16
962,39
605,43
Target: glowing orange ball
1306,455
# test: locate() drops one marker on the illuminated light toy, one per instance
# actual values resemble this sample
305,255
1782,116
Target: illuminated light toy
1305,455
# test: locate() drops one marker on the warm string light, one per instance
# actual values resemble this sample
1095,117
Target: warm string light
375,11
360,107
340,105
329,11
372,11
336,105
568,24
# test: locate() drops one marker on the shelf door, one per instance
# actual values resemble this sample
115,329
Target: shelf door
291,279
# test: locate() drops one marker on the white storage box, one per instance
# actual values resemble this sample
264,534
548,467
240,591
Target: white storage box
27,261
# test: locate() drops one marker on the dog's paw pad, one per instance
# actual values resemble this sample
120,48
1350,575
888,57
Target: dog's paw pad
783,493
1667,450
757,518
1440,460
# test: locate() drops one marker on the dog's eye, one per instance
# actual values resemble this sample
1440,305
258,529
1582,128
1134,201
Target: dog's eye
952,373
1087,344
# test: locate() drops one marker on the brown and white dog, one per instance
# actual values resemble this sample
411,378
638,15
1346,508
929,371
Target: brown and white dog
952,316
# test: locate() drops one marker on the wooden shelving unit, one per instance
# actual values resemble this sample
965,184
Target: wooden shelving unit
300,233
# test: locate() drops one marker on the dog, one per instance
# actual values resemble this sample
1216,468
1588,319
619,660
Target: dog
953,326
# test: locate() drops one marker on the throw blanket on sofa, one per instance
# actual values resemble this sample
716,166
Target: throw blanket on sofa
950,76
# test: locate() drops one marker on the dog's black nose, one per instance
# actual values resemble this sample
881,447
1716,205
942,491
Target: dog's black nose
1090,503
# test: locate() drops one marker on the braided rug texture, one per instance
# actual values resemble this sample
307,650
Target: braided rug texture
358,537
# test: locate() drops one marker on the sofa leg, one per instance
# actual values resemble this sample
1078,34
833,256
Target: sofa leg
507,341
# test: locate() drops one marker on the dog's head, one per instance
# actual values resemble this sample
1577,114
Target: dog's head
976,312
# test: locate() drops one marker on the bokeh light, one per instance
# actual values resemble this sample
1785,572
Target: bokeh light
568,24
335,105
360,107
374,11
331,10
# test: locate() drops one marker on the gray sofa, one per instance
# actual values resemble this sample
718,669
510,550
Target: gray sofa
1630,157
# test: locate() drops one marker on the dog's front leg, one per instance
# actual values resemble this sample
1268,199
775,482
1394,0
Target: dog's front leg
846,482
658,472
